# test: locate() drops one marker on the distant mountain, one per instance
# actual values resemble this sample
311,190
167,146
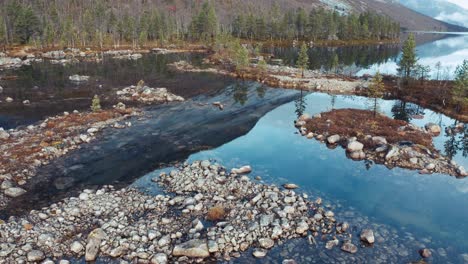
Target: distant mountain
408,18
440,9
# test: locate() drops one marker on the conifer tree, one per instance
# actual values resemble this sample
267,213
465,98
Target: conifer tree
460,88
408,60
376,90
303,60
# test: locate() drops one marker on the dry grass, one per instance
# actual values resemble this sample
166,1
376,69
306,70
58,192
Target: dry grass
359,123
19,152
216,213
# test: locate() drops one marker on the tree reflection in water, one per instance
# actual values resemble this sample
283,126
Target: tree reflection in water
300,104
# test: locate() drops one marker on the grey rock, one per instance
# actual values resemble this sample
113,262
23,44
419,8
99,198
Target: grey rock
259,253
379,141
333,139
354,146
349,247
432,128
266,243
35,255
76,247
159,258
195,248
14,192
425,253
367,235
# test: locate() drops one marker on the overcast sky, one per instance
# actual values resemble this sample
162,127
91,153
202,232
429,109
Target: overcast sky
463,3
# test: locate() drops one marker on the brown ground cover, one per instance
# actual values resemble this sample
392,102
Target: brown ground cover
22,149
359,123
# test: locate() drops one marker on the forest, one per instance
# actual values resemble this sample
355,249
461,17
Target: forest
139,23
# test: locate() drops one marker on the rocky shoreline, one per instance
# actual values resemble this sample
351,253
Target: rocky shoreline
411,149
282,77
208,214
14,59
27,148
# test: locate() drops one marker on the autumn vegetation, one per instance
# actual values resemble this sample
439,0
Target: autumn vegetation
140,23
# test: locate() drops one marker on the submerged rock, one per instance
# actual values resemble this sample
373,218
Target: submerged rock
349,247
242,170
367,235
425,253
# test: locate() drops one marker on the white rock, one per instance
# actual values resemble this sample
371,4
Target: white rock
354,146
242,170
367,235
14,192
333,139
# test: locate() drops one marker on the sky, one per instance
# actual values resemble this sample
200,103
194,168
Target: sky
462,3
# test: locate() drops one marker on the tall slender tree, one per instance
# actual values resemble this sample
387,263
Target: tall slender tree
408,59
303,59
460,88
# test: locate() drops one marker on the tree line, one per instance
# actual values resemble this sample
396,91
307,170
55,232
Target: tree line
102,22
319,24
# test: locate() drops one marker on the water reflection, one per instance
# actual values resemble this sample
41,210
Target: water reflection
450,52
300,104
426,205
349,59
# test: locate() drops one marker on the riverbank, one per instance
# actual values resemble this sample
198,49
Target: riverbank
208,213
380,139
25,149
281,77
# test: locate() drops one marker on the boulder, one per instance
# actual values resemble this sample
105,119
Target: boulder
35,256
354,146
14,192
425,253
290,186
242,170
305,117
195,248
357,155
349,247
9,100
367,235
379,141
26,102
333,139
159,258
432,128
266,243
259,253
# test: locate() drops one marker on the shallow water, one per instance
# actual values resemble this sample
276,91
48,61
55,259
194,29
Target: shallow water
428,206
255,128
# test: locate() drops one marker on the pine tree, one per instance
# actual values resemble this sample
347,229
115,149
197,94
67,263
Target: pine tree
303,60
460,88
376,90
96,104
408,60
335,63
26,25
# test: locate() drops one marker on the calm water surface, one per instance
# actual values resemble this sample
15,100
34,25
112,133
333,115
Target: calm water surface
256,128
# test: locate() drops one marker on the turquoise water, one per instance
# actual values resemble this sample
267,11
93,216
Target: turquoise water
431,207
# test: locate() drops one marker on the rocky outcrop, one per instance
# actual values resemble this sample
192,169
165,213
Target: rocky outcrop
404,154
148,95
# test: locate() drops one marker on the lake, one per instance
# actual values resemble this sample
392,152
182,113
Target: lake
407,210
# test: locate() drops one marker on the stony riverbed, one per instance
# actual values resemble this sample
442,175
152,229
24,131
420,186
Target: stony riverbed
183,225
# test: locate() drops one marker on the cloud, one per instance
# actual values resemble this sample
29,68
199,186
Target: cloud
462,3
461,18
